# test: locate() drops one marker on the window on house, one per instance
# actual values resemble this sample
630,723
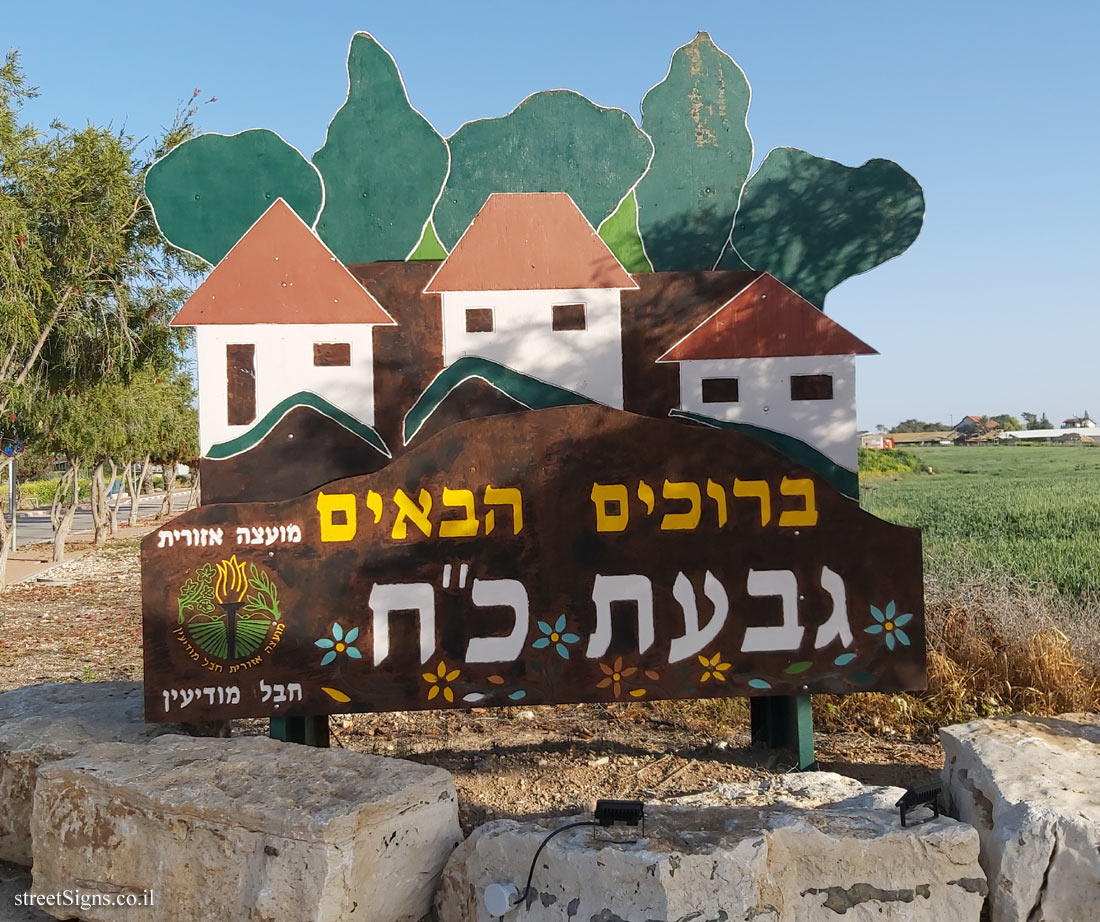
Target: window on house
720,390
331,354
240,367
479,320
811,387
569,317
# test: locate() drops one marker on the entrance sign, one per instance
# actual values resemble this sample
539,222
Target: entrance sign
565,555
548,410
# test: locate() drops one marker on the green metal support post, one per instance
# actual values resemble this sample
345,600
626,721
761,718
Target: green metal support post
784,722
309,730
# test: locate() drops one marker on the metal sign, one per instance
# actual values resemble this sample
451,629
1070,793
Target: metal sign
564,555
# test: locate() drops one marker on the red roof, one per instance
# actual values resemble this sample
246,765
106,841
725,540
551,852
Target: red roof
280,272
766,319
521,241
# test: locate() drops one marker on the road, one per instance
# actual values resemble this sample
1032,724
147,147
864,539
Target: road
34,528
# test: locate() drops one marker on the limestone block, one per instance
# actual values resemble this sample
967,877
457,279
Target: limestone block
1031,787
43,723
810,790
244,829
772,863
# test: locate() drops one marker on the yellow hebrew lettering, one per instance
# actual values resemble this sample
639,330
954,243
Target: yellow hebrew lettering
677,521
804,487
459,528
759,489
408,511
327,505
645,494
505,496
605,493
374,504
717,492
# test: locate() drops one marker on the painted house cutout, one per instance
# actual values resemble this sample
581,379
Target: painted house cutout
530,285
280,315
769,358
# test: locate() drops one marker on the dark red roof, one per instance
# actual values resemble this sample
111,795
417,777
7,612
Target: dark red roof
523,241
766,319
280,272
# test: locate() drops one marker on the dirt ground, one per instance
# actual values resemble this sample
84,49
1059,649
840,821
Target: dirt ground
82,623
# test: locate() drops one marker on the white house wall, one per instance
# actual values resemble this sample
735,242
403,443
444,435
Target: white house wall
284,366
588,361
764,392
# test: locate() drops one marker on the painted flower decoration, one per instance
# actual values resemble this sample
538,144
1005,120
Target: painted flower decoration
205,573
714,667
339,643
614,675
439,680
555,635
891,624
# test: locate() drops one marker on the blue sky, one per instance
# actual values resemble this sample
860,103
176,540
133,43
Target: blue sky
992,106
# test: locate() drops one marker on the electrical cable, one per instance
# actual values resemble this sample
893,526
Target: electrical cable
538,851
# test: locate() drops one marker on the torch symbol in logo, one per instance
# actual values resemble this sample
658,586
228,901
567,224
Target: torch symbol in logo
230,588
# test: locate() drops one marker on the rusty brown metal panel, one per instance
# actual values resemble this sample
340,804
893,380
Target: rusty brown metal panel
305,450
409,355
665,307
568,317
525,538
479,320
331,354
240,373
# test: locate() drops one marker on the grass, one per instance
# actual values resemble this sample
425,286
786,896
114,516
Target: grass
1027,514
1012,586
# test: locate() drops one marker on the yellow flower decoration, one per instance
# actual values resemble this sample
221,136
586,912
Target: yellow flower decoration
438,681
714,668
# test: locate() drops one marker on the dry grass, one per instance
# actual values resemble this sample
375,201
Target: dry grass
994,647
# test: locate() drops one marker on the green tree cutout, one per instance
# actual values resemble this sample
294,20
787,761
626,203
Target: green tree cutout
554,141
210,190
383,163
813,222
696,117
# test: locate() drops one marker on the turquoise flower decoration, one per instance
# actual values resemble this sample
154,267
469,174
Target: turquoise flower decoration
555,635
339,643
890,624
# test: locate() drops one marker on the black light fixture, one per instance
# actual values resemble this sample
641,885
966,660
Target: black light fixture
922,795
620,813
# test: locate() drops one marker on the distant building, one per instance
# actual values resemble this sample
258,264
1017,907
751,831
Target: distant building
972,425
876,440
1078,422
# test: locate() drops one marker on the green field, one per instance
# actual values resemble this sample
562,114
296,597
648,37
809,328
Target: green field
1032,513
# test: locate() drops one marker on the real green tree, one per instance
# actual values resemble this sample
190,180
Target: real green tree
87,284
918,425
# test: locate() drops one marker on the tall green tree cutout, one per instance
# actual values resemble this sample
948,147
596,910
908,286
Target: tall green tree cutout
208,191
555,141
383,163
696,117
813,222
